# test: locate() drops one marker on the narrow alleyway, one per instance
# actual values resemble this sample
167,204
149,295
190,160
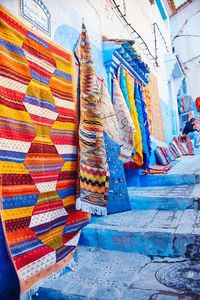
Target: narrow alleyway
156,246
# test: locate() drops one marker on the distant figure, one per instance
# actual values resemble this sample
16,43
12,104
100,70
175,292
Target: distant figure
192,132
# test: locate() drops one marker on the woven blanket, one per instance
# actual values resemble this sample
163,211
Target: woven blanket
140,107
146,125
147,100
157,169
108,116
138,157
126,126
189,145
129,98
94,172
38,143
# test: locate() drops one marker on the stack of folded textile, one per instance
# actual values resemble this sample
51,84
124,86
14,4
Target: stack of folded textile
157,169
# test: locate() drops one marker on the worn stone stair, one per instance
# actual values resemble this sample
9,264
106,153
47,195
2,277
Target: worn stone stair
185,172
164,233
165,197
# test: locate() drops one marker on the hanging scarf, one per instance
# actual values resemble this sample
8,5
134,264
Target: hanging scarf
138,158
139,108
127,91
145,117
94,173
108,116
147,100
126,126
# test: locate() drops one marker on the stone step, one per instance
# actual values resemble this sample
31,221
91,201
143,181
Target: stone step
169,179
165,197
115,275
185,171
149,232
161,179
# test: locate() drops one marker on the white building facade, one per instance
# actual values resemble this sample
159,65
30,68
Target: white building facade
185,35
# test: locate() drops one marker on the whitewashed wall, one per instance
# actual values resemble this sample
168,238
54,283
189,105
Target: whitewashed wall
187,22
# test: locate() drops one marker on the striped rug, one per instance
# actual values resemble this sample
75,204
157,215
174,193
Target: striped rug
94,172
38,149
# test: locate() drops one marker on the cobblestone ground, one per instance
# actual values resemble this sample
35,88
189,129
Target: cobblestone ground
112,275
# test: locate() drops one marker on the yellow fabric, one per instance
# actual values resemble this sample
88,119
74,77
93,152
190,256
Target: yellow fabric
20,212
10,167
138,158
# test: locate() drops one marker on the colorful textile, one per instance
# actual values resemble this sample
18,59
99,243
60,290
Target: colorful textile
108,116
138,157
197,103
175,149
164,151
160,157
142,122
169,154
183,148
157,169
38,144
126,126
94,173
147,100
189,145
118,193
176,144
173,153
145,120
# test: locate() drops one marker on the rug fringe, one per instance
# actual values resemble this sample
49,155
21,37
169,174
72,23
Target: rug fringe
93,209
34,289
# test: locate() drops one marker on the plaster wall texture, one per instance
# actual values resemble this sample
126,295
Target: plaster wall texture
186,24
102,19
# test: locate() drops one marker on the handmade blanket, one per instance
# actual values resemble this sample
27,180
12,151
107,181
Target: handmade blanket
145,117
126,126
38,151
157,169
108,116
147,100
142,122
94,172
138,158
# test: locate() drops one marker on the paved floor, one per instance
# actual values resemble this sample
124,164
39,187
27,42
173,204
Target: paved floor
112,275
187,165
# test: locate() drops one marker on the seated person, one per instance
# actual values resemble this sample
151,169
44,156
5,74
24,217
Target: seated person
192,132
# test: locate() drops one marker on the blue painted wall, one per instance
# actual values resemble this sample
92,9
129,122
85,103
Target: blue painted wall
68,36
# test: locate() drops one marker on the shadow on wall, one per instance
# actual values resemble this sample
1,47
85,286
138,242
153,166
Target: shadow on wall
67,37
9,287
